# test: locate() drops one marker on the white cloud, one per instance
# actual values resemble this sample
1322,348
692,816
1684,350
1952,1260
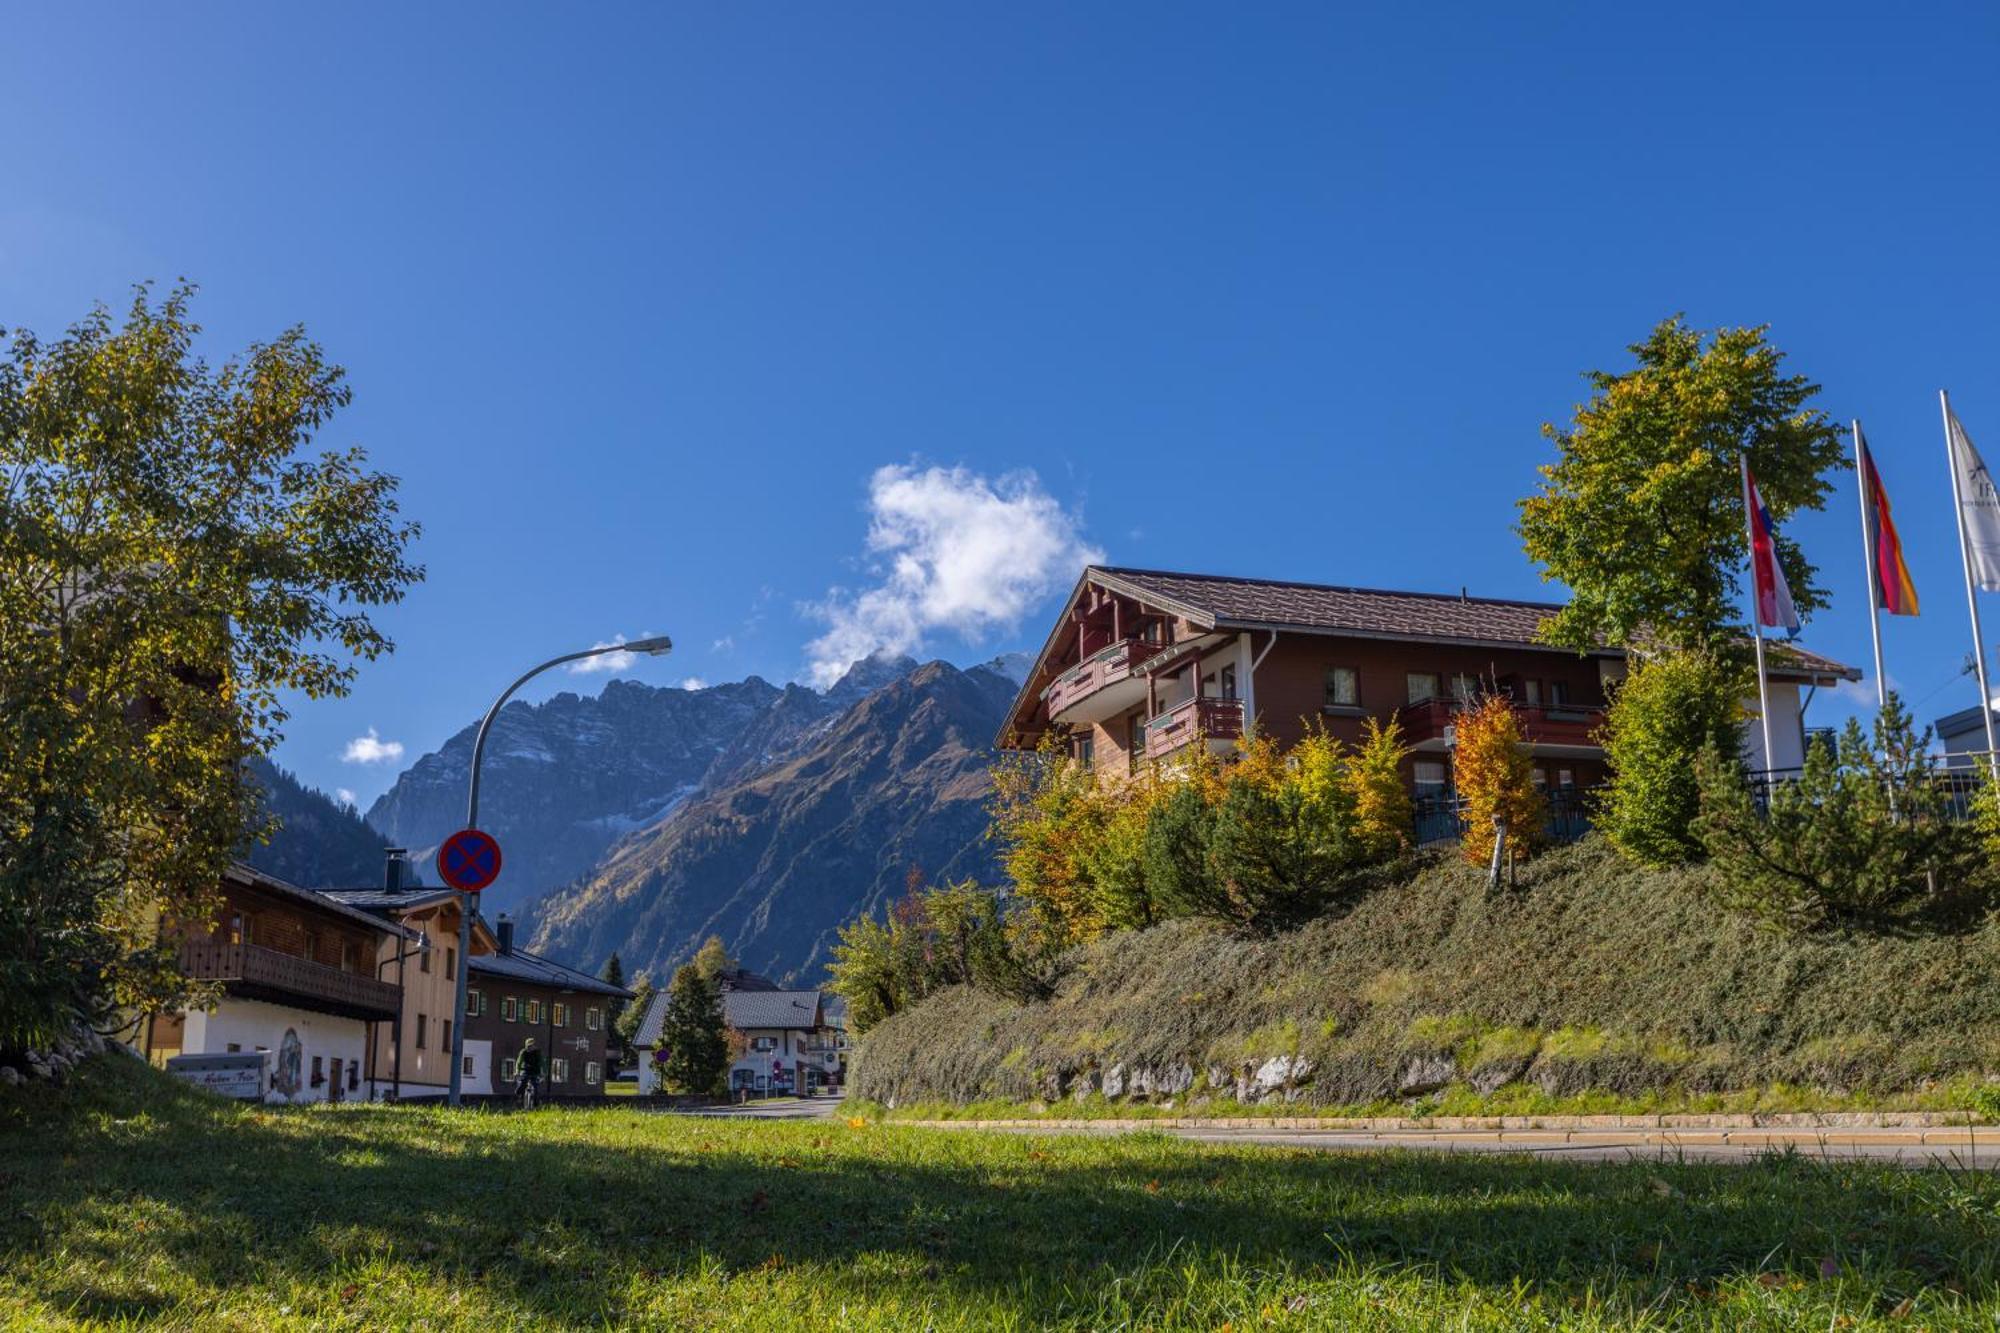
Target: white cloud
694,683
604,661
725,644
371,749
345,797
951,550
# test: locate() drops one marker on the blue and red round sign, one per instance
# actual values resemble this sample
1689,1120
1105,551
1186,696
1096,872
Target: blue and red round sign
469,860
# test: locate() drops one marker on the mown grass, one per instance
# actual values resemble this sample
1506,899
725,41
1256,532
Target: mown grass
125,1200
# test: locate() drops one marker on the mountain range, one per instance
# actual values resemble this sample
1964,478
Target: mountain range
644,819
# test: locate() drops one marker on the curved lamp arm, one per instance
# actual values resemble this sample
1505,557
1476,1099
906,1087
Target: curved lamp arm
655,647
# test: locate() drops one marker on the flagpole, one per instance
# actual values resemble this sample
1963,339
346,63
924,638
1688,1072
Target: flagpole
1756,618
1971,593
1869,555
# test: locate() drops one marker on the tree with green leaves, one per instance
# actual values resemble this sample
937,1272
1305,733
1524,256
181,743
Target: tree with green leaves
174,561
1641,514
1667,712
626,1026
693,1033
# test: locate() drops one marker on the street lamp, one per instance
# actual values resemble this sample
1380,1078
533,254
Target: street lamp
657,646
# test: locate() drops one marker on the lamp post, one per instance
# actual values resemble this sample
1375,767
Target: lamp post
658,646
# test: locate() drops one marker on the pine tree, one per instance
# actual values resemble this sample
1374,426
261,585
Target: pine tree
614,975
692,1033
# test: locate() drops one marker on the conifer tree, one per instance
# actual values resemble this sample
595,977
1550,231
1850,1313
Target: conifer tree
692,1033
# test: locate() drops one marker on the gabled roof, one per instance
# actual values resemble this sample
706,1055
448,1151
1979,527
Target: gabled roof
1228,604
390,900
647,1034
1239,603
748,1009
251,877
532,967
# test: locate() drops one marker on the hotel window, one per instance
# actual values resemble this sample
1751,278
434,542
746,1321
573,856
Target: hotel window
353,1075
472,999
420,1031
1135,734
1423,686
559,1015
1229,682
592,1017
468,1066
558,1070
312,946
507,1068
1086,749
423,953
506,1008
236,930
1343,687
1559,694
1464,688
451,963
319,1071
444,1037
1565,777
590,1072
1531,693
763,1043
1429,776
347,952
534,1011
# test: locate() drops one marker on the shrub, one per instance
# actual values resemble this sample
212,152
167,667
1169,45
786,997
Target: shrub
1383,815
1495,779
1863,833
1176,853
1666,713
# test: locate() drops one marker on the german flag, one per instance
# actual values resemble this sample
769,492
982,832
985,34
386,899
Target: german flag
1894,592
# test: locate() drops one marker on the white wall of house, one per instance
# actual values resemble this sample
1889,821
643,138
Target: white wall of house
256,1025
1788,730
479,1067
788,1046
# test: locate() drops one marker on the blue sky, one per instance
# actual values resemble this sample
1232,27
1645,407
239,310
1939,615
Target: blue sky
640,301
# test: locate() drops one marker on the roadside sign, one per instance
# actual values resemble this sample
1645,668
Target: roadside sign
232,1075
469,860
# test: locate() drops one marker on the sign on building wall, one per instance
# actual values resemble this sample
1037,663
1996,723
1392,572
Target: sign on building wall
240,1075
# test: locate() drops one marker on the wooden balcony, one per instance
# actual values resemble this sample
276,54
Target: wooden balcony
1570,724
1106,666
1191,721
258,973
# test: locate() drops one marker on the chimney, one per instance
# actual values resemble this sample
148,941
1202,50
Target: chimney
396,860
504,928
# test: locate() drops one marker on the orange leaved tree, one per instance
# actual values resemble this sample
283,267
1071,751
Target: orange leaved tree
1496,779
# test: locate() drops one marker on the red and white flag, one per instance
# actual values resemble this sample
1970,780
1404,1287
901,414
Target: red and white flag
1774,595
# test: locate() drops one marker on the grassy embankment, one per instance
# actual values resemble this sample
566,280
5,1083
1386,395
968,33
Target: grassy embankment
126,1199
1593,987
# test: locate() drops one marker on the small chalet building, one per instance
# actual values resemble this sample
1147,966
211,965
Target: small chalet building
411,1057
513,995
1144,665
788,1042
299,986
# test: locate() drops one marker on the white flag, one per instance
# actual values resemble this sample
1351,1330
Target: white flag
1979,505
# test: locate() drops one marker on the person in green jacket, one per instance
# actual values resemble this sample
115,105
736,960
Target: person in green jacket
528,1073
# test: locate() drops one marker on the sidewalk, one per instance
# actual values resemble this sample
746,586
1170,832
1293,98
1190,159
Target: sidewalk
1911,1139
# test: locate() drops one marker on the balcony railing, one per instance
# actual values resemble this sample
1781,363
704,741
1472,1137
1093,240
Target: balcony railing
285,978
1565,724
1194,720
1440,818
1106,666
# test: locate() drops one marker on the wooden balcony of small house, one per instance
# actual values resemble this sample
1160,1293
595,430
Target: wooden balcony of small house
1553,728
1101,685
259,973
1218,722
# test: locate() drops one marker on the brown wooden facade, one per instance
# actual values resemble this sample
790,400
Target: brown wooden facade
514,995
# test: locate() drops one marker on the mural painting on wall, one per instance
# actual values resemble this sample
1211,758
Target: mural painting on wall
290,1057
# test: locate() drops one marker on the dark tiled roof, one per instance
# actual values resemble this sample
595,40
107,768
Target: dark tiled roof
389,900
746,1009
244,874
1235,603
524,966
743,1010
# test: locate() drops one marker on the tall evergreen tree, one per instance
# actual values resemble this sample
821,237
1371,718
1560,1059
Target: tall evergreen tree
692,1032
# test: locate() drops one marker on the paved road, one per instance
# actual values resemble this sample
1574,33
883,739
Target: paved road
1929,1147
772,1108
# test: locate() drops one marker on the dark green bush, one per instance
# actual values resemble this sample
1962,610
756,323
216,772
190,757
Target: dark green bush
1663,717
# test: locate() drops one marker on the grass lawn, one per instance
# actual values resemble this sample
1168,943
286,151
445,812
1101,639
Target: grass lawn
124,1200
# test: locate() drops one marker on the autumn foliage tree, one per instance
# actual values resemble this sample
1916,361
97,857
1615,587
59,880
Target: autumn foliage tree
1383,814
1495,779
175,562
